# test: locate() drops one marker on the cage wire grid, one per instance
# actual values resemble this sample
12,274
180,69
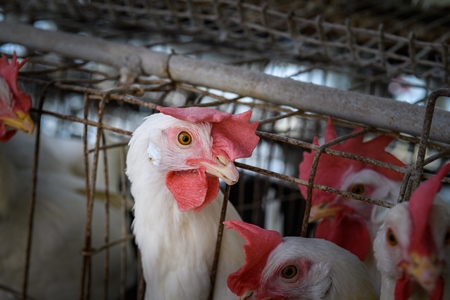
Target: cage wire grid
80,98
390,38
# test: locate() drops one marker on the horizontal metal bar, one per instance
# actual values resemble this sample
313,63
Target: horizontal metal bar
360,108
316,186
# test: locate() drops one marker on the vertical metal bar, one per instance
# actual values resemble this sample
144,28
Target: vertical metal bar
405,185
93,187
313,175
428,119
171,6
351,40
84,268
267,24
220,23
107,202
412,51
123,194
219,241
292,29
243,22
141,282
322,36
29,237
87,258
382,45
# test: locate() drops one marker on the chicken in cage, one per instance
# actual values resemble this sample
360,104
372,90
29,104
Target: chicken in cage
325,121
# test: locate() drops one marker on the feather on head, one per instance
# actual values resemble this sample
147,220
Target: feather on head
233,135
420,205
331,169
13,101
260,243
421,244
9,72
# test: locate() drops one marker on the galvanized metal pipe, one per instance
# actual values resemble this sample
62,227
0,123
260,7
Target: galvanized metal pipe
356,107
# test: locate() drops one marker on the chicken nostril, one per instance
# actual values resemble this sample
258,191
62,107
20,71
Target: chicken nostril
222,160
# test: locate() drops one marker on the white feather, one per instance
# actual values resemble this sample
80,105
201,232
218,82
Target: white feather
399,221
177,247
383,189
335,273
58,228
5,93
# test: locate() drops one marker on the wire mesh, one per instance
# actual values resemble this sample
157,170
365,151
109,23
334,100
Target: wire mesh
383,38
387,50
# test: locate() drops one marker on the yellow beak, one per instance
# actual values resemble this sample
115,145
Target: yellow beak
223,169
20,121
425,270
321,211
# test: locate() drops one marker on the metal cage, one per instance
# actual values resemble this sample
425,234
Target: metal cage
96,68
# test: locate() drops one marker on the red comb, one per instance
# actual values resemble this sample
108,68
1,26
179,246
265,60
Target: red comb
420,206
260,243
233,135
9,72
331,169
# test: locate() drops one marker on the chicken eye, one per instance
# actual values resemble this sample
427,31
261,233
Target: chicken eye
289,272
447,237
184,138
358,189
390,237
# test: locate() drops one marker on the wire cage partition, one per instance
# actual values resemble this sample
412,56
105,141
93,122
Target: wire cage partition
96,68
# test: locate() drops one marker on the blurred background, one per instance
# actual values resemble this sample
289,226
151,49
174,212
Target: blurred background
396,50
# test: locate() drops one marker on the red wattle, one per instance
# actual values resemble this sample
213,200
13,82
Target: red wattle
438,292
402,289
6,135
192,189
347,232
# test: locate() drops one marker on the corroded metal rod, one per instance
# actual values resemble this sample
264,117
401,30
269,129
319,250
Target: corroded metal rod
133,61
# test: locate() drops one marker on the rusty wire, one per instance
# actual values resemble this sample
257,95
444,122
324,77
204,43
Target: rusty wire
375,53
428,118
97,94
106,241
304,30
87,263
29,237
223,213
123,196
117,94
222,100
88,198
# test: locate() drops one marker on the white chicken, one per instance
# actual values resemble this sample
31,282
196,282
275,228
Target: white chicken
350,223
66,156
296,268
173,163
58,236
59,215
412,247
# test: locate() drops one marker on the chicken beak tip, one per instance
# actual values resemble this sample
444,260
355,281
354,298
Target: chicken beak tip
28,124
21,121
424,271
226,171
320,211
230,174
